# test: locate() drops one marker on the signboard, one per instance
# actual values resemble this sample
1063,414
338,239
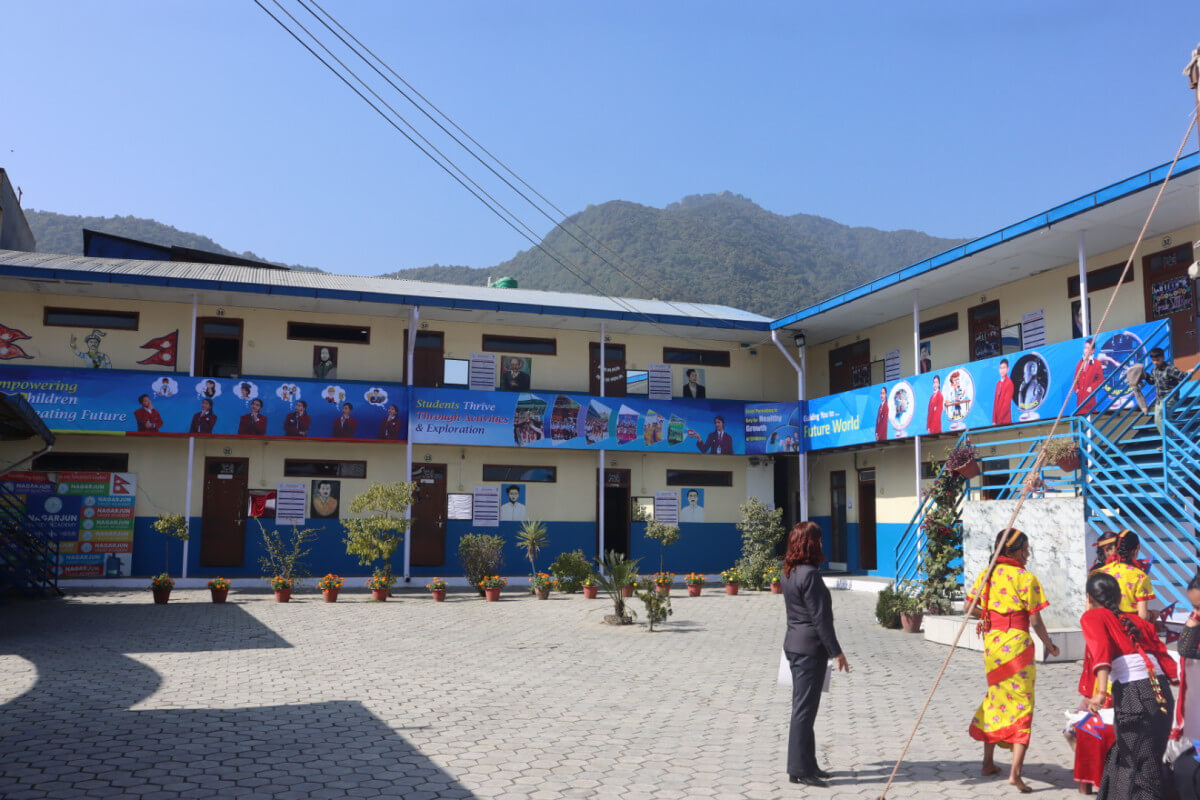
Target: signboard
482,374
666,507
658,382
486,506
1171,296
291,504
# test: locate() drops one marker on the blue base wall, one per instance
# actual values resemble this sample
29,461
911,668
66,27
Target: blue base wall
887,535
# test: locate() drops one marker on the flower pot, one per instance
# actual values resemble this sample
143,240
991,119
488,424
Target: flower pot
694,589
439,595
543,594
330,595
492,594
968,470
590,592
283,595
161,595
776,588
219,595
732,588
911,623
1069,463
626,591
379,595
663,589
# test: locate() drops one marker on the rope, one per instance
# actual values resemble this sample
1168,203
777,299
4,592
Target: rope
1024,494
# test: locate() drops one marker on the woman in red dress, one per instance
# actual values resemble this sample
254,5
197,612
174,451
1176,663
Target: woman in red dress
933,416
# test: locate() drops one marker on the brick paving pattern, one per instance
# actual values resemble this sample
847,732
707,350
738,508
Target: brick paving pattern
104,695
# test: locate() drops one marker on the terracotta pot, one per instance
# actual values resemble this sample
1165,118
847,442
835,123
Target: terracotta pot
492,594
379,595
330,595
543,594
664,589
968,470
590,592
626,591
911,623
283,595
1069,463
776,587
694,589
732,588
439,595
219,595
161,596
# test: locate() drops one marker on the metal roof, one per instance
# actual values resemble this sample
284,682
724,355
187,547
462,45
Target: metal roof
314,291
1111,218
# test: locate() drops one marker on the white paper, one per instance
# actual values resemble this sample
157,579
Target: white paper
486,502
291,504
1033,329
666,507
482,372
658,381
784,678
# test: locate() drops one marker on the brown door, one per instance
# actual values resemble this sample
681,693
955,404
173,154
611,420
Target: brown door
616,512
223,526
614,369
837,518
1170,294
428,546
850,367
429,359
983,330
866,519
219,347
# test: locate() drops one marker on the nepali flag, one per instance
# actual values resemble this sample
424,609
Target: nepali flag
1144,564
7,348
165,347
1092,725
1170,636
1166,613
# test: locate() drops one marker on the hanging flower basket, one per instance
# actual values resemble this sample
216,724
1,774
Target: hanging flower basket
963,460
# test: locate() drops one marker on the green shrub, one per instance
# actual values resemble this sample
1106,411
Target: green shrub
887,608
658,606
569,570
481,556
761,530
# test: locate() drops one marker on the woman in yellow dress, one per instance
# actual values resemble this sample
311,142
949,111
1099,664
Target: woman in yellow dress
1010,604
1116,554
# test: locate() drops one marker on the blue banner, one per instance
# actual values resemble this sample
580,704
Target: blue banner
158,404
1021,387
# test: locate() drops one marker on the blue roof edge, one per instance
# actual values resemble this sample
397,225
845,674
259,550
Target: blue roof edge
1115,191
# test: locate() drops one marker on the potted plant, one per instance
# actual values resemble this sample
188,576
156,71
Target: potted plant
695,582
329,586
1064,452
541,583
532,538
911,605
437,587
616,574
774,576
282,587
732,579
380,585
374,538
964,460
161,585
663,581
219,588
591,587
570,570
630,584
491,586
666,535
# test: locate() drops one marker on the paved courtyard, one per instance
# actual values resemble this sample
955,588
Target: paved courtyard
107,695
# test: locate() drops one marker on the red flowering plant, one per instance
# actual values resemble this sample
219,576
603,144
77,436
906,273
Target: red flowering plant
941,562
437,585
279,583
663,578
219,583
693,579
161,581
379,581
541,582
493,582
330,582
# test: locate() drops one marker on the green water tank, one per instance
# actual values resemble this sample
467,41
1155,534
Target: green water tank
506,283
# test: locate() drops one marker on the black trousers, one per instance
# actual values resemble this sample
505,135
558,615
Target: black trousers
808,675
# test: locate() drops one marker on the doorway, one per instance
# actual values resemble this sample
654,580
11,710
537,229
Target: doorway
429,359
223,519
866,520
219,347
850,367
837,519
427,547
983,330
614,369
616,512
1170,294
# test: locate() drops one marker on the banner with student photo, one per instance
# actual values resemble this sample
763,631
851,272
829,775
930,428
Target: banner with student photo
1020,387
113,401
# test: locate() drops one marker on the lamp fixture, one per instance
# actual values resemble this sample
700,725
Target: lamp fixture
798,339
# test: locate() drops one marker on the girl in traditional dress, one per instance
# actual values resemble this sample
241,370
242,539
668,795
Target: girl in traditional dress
1187,706
1010,604
1116,554
1125,657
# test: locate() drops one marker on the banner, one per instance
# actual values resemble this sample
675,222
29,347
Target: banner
149,404
1021,387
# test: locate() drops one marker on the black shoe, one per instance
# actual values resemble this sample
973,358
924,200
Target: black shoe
822,774
808,780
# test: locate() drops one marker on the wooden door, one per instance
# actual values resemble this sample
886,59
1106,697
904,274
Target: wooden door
429,359
1170,294
223,520
428,545
850,367
867,558
614,369
218,347
837,519
983,330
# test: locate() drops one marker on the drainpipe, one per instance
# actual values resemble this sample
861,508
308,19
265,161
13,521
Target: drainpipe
800,396
413,318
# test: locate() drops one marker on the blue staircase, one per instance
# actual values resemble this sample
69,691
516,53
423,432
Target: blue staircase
28,553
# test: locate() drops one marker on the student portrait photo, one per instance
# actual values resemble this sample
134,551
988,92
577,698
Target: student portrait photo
933,413
297,420
1003,399
514,374
693,383
926,359
345,425
718,442
325,495
254,423
881,416
147,416
512,507
203,420
390,427
324,362
691,509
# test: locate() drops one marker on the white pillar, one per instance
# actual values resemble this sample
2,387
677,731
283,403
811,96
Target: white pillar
917,361
187,494
1085,322
600,480
802,456
408,374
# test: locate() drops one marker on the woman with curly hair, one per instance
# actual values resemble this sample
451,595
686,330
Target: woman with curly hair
809,643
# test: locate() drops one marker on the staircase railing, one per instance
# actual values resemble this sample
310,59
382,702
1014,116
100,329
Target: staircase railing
29,552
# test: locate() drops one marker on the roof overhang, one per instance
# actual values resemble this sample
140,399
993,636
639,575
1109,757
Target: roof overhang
19,421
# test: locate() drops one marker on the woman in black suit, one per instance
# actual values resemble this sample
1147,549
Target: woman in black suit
809,643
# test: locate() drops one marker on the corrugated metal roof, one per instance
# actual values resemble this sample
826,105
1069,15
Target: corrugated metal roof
221,277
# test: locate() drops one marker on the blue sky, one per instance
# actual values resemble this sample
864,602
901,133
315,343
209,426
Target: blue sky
948,117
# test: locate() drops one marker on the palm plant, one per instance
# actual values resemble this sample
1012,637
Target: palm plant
616,573
532,538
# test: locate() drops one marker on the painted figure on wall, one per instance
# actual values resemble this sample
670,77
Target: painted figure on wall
345,425
324,363
297,420
693,387
254,423
933,414
1089,376
92,355
881,416
692,509
512,509
147,416
203,420
719,442
515,375
390,427
1002,401
325,499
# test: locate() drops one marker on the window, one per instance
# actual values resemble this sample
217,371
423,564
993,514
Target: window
932,327
850,367
314,332
698,477
303,468
1103,278
704,358
1010,339
90,318
456,372
519,344
983,330
517,473
82,462
878,371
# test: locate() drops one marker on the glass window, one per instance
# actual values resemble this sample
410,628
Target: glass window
519,344
315,332
707,358
698,477
519,473
90,318
303,468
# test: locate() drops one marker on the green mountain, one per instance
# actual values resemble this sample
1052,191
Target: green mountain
714,248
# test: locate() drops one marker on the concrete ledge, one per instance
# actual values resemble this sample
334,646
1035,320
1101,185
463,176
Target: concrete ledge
857,583
941,630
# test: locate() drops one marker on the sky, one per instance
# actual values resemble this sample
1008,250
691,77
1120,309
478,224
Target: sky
946,117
